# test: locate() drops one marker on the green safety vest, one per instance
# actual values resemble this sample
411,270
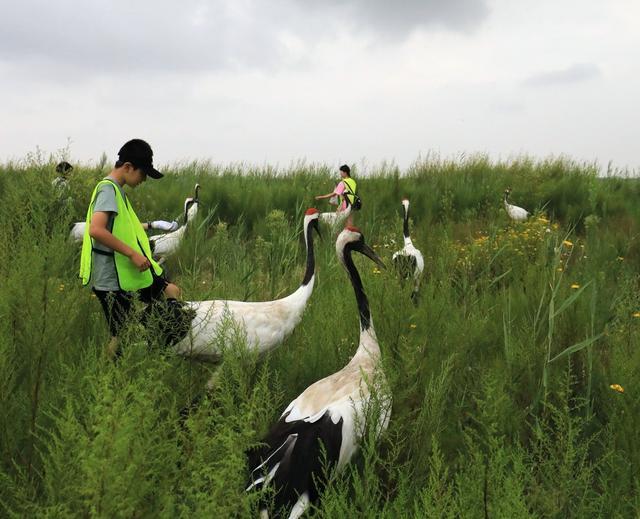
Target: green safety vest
350,192
128,229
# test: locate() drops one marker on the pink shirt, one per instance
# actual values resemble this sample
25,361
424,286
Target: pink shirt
339,190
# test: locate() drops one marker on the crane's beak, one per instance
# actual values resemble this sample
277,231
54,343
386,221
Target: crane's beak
370,253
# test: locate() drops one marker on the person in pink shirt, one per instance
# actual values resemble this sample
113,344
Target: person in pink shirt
338,194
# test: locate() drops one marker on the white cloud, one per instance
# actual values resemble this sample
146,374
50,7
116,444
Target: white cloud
275,82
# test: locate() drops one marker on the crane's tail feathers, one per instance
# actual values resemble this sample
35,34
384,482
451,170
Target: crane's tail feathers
295,461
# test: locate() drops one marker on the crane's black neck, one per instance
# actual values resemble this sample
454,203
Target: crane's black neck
405,226
506,198
311,259
361,297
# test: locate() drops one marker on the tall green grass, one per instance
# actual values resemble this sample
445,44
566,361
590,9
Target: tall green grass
500,375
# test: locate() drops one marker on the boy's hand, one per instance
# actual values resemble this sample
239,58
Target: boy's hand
140,261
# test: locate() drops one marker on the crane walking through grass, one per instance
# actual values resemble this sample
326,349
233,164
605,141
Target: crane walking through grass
265,323
409,261
163,245
517,214
322,427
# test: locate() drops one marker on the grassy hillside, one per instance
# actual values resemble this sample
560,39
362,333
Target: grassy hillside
501,375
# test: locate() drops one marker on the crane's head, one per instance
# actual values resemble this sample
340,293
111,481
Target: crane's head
311,216
507,191
351,239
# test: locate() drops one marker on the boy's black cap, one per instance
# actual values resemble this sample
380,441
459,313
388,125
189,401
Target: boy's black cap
140,154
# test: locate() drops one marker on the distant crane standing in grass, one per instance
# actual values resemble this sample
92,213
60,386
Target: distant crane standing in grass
323,426
517,214
409,260
163,245
266,323
336,218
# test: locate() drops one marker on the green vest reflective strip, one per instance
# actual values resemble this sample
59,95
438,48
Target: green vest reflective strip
350,191
128,229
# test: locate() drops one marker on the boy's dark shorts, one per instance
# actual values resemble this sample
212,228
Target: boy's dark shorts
116,305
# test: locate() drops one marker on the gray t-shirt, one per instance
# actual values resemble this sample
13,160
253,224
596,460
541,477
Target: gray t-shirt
103,268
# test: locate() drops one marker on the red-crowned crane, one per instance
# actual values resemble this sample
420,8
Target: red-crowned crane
516,213
266,323
163,245
325,423
408,260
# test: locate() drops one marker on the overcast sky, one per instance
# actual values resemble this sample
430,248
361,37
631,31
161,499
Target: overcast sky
335,81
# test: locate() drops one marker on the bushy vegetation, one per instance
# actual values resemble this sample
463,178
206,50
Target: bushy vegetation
513,378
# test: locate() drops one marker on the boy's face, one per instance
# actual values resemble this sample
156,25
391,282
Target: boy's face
134,176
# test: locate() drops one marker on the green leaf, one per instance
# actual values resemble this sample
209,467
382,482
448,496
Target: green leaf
577,347
565,304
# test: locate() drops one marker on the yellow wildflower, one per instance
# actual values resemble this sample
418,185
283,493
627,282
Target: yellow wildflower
376,271
567,243
617,387
575,285
636,314
412,326
559,269
620,258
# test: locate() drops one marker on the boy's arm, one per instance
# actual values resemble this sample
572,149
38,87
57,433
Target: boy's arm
98,231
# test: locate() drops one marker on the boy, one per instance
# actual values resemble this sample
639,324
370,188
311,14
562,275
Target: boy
116,256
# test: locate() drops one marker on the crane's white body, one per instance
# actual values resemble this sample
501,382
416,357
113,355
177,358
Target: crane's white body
410,250
346,395
516,213
265,324
335,218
